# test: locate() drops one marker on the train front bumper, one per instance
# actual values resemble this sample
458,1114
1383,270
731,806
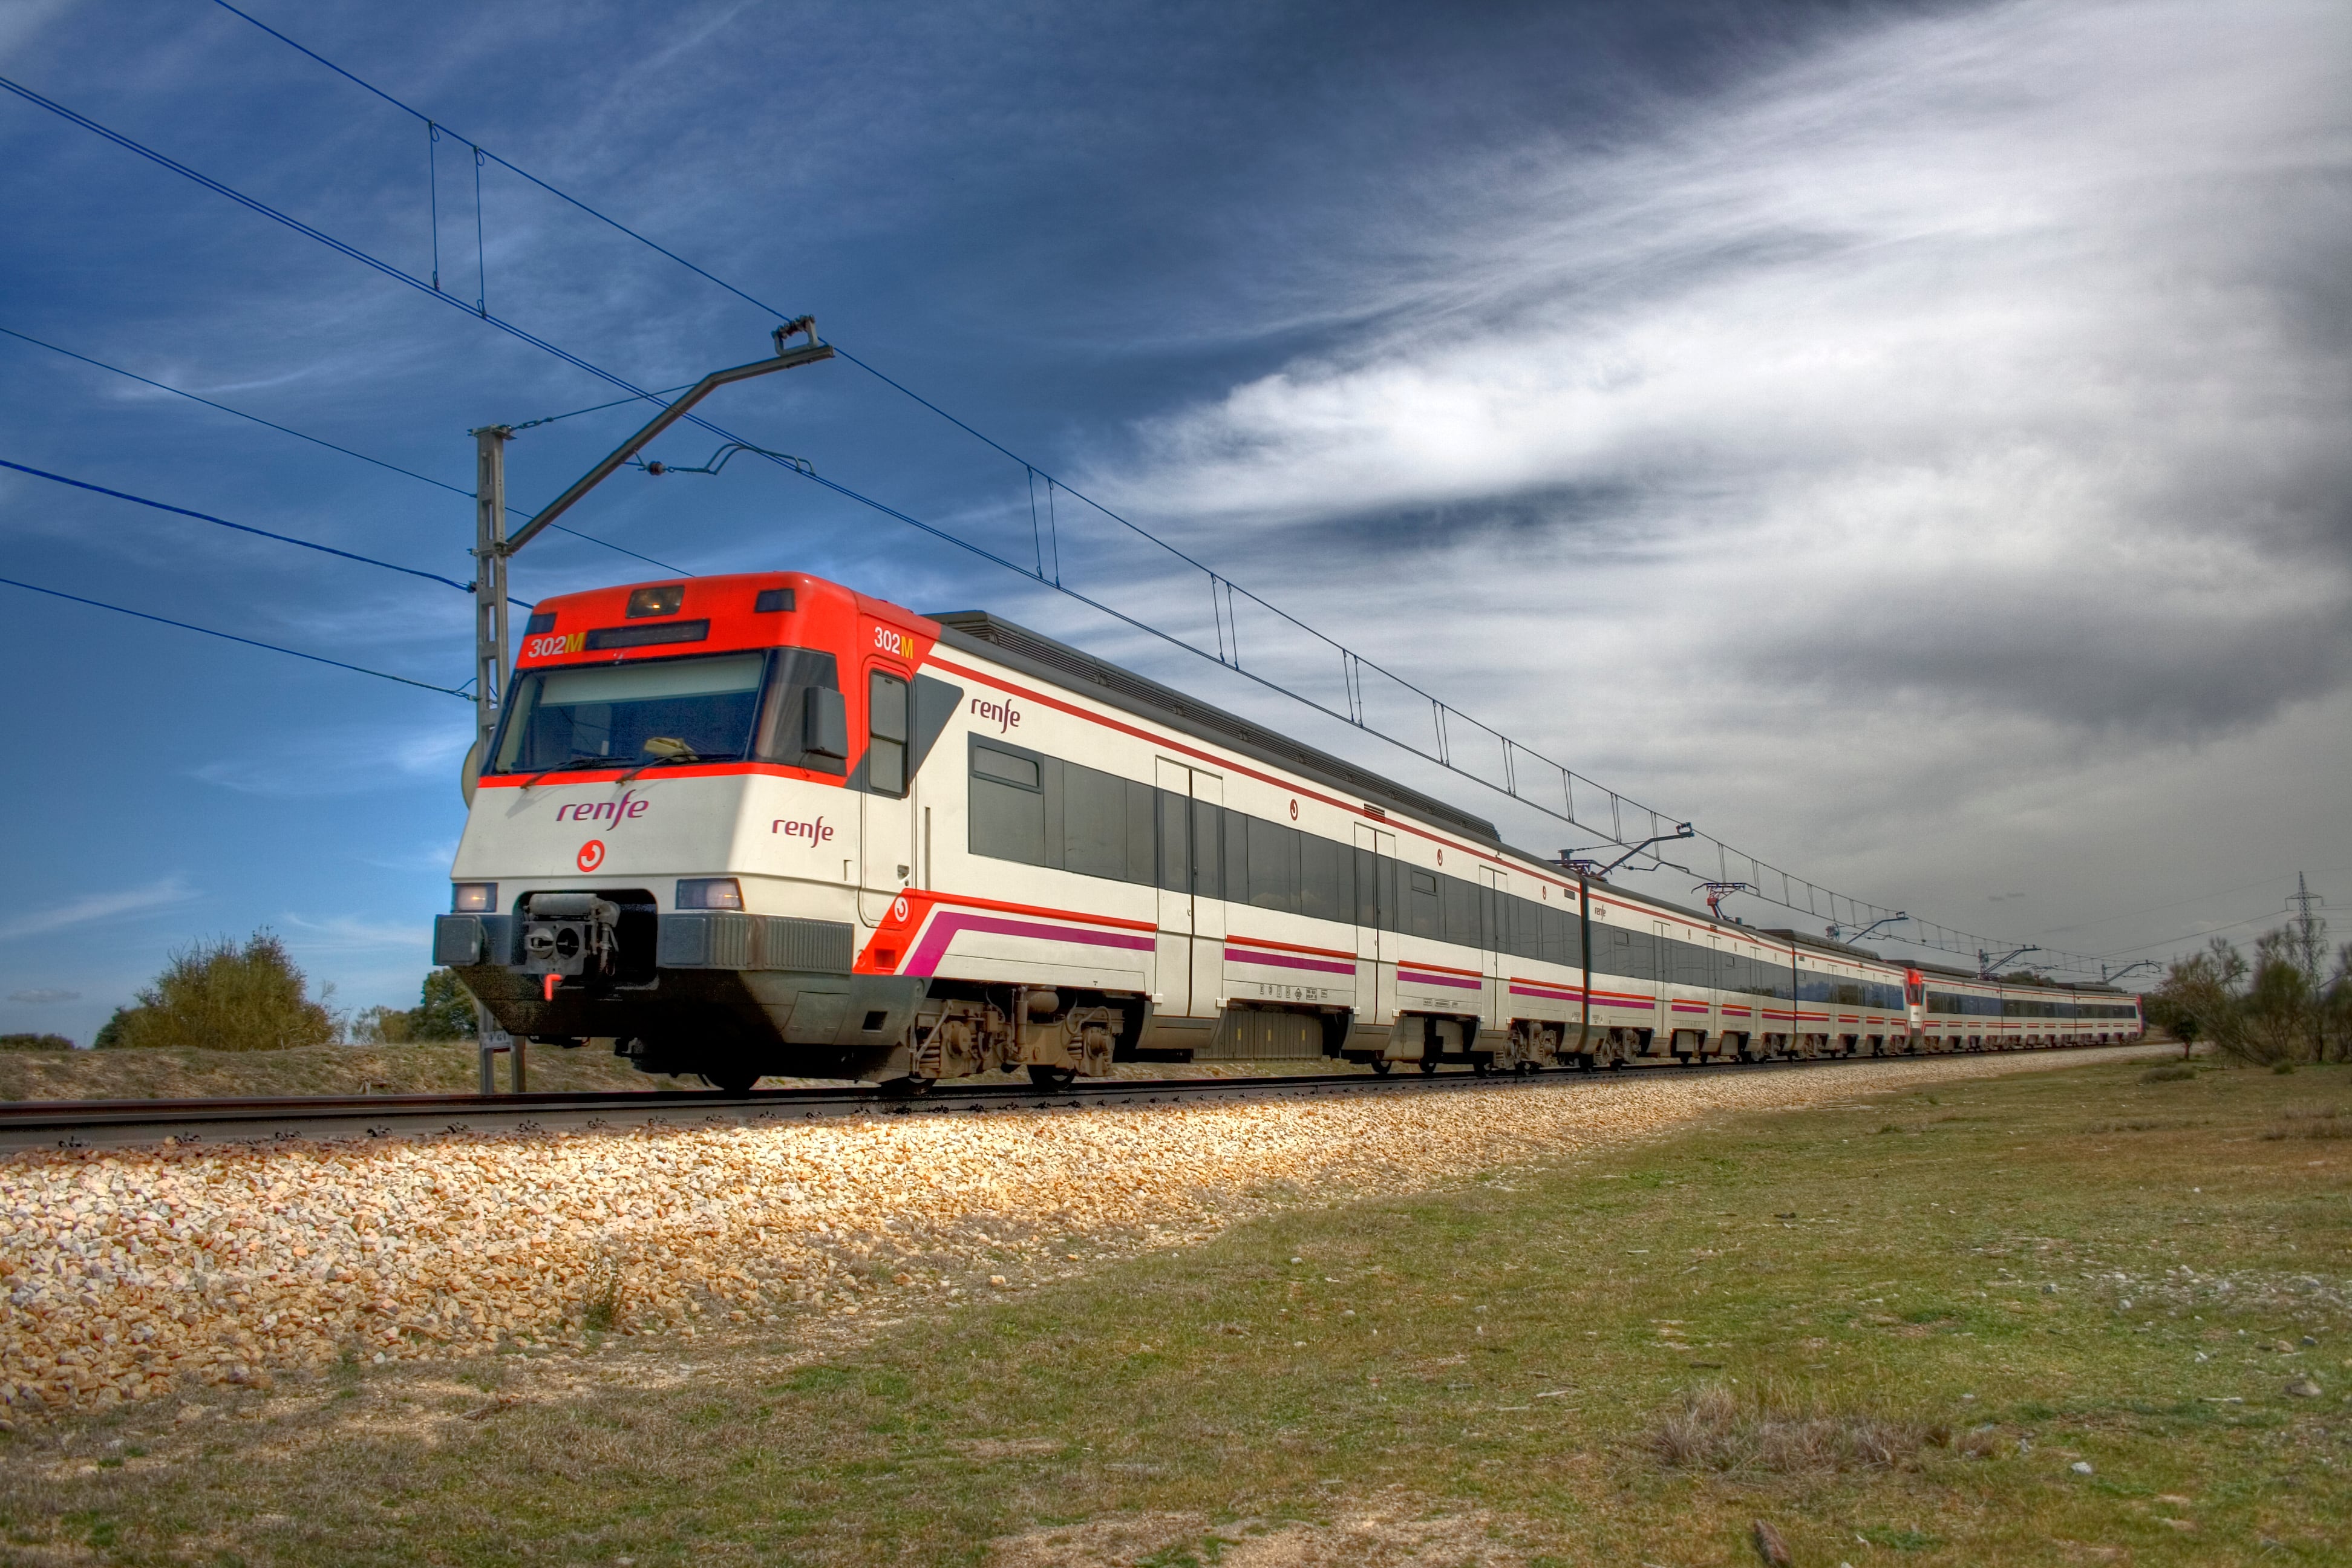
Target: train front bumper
776,986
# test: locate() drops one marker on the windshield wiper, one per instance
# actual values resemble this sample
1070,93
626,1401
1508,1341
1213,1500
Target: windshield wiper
667,750
576,759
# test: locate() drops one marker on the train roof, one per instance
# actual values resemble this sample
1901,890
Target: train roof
1826,944
1034,653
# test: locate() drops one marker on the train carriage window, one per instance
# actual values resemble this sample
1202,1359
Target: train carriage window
1627,952
1422,908
1273,858
1008,804
1142,863
797,728
885,725
1326,878
1461,911
1094,822
1368,905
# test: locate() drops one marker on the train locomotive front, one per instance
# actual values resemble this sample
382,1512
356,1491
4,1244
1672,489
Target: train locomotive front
670,836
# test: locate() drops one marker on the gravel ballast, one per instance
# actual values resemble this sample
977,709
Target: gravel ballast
126,1273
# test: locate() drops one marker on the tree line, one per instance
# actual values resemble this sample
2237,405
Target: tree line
2291,1002
223,995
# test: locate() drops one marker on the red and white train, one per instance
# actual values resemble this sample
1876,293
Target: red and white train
765,825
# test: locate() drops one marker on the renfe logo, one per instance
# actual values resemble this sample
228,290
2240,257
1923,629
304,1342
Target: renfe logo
814,832
1003,715
612,811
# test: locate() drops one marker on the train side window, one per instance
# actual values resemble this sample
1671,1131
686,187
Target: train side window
1326,878
1461,911
800,729
1421,897
1007,804
885,725
1273,865
1230,868
1140,865
1094,822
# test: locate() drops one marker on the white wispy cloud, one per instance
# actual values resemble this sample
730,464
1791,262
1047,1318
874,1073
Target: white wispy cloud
152,899
354,933
1891,447
346,759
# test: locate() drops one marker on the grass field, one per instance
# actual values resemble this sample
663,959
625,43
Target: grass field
2052,1317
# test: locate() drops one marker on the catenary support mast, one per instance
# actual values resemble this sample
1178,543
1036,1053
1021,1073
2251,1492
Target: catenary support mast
492,549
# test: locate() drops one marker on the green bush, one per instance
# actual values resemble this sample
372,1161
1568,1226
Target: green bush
444,1011
2174,1073
218,996
35,1043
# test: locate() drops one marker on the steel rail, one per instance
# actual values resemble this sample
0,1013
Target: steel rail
27,1125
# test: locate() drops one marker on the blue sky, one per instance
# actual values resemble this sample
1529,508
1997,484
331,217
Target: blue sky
1905,439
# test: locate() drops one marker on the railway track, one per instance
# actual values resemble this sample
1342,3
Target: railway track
103,1123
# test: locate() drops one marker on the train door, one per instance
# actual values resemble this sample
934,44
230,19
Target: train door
1497,1013
1191,940
1718,983
1662,987
1375,981
886,834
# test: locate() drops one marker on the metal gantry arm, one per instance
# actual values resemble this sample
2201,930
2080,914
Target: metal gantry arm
1985,966
808,354
1568,856
1888,921
2105,978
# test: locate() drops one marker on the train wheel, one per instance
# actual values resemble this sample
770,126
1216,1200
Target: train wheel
1044,1077
1480,1067
1428,1065
731,1080
1380,1066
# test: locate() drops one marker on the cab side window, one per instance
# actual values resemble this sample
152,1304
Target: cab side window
804,724
886,721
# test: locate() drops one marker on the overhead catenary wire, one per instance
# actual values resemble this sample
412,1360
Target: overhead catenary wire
242,527
1929,933
336,446
232,636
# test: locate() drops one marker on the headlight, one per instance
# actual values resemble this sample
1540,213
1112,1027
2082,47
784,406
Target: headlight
474,897
709,893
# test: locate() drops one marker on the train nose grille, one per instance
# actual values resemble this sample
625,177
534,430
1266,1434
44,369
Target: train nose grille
570,934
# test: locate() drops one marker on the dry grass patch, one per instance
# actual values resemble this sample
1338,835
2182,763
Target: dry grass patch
1392,1536
2329,1124
1722,1430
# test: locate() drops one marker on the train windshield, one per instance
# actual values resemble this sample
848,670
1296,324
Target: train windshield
621,715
